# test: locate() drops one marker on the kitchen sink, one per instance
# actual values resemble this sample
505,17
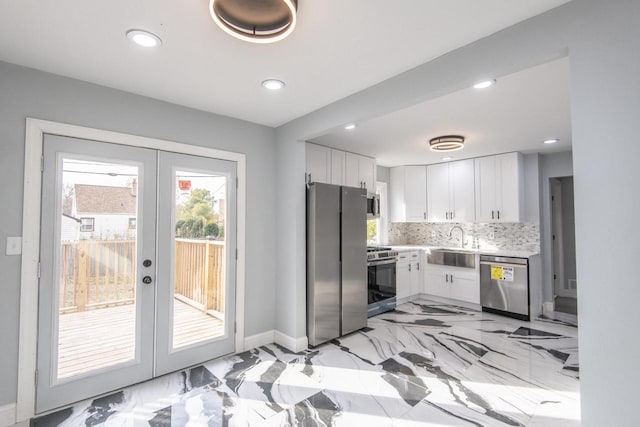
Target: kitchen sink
452,258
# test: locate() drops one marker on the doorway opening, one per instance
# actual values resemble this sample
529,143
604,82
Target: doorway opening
565,284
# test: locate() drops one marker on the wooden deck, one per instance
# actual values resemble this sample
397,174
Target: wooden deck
97,338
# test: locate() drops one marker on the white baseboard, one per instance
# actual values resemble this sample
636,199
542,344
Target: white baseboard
7,415
259,340
290,343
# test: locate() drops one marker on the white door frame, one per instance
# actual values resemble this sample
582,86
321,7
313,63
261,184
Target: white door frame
35,130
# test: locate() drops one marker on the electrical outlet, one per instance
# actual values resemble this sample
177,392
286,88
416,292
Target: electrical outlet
14,246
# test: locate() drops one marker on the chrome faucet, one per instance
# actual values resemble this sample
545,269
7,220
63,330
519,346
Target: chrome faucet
461,234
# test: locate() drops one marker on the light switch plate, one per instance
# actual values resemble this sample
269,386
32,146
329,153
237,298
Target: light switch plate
14,246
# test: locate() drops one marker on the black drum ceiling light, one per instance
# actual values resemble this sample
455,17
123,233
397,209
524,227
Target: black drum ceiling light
447,143
255,21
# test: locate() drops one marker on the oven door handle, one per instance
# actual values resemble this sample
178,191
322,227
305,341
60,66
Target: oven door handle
382,262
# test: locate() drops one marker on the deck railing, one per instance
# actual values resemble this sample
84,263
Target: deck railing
102,273
199,273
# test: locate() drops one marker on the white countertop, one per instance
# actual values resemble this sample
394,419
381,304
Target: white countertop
481,251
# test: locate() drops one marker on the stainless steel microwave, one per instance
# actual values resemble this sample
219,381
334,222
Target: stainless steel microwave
373,206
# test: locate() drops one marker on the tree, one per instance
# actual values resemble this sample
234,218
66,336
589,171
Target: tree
196,218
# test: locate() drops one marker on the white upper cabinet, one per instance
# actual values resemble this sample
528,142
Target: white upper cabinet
367,173
408,189
337,167
338,161
415,193
462,180
438,190
351,175
451,192
360,171
499,188
319,163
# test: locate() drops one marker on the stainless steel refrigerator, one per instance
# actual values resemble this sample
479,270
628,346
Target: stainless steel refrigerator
336,261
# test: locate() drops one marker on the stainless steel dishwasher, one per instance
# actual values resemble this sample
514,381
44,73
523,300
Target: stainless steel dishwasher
504,286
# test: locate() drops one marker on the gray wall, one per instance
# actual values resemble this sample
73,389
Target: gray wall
382,173
531,188
551,166
568,228
602,39
29,93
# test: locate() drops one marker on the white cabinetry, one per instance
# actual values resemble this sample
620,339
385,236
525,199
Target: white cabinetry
408,189
360,171
318,163
452,282
338,167
408,275
338,163
499,191
450,190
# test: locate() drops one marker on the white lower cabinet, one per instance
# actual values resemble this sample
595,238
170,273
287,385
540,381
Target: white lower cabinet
408,275
452,282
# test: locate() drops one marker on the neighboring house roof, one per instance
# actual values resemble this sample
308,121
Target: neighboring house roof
98,199
72,217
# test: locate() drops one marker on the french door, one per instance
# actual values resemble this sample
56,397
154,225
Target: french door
137,266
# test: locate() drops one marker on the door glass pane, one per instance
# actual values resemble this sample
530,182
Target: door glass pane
97,266
199,257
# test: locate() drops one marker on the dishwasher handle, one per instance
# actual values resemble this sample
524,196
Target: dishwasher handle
503,264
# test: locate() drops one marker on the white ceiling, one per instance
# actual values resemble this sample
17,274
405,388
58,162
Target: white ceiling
516,114
338,48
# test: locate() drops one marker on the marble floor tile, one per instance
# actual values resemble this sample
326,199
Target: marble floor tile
425,364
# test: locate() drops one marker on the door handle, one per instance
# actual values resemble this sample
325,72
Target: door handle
452,278
446,215
418,266
425,215
409,267
498,214
492,216
147,280
446,278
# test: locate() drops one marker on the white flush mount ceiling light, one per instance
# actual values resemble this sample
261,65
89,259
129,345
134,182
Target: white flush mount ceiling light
273,84
551,141
351,126
264,21
447,143
484,84
144,38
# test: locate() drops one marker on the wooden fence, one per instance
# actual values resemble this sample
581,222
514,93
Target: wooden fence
199,273
101,273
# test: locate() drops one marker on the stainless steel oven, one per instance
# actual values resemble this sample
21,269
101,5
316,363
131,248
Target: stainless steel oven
381,272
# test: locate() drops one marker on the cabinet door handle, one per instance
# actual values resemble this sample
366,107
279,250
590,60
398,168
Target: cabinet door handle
451,215
452,278
409,267
425,215
418,266
446,278
498,214
492,216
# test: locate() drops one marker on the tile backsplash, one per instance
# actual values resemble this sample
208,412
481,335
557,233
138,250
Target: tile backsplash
514,236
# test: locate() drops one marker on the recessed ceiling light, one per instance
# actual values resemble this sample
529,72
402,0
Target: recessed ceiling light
351,126
144,38
273,84
551,140
484,84
446,159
